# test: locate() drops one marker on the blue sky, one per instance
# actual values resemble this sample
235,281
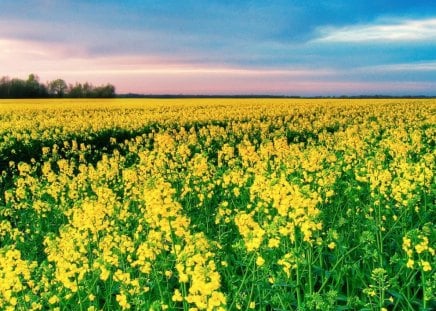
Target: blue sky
289,47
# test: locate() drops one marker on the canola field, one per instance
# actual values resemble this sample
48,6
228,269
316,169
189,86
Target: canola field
217,204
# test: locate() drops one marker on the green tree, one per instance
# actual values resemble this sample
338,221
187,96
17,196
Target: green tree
75,91
57,88
106,91
5,85
34,88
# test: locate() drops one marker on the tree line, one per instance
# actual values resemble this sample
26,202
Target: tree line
58,88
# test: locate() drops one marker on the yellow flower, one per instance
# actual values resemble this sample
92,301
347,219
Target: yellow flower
104,275
260,261
332,245
122,301
371,292
410,263
422,246
252,305
53,299
13,301
177,296
168,273
273,243
183,278
425,265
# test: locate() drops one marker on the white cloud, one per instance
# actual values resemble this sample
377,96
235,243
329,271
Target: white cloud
414,67
393,31
20,56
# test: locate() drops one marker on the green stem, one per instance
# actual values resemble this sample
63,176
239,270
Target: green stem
410,307
298,288
173,245
391,229
243,282
158,284
79,296
336,265
321,265
252,285
410,280
424,301
184,293
379,236
382,295
309,261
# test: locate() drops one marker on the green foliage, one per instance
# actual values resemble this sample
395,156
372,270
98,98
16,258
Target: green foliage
232,213
32,88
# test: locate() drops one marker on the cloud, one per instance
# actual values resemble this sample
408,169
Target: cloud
261,85
248,46
55,58
85,39
414,67
150,73
411,30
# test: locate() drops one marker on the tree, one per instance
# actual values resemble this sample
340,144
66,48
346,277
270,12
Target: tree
87,90
5,85
17,88
34,88
75,91
107,91
57,88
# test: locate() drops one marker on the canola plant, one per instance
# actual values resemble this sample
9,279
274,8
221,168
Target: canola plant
217,204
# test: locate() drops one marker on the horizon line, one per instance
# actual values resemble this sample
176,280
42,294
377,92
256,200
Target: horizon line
168,95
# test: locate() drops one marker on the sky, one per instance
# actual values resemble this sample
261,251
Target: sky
275,47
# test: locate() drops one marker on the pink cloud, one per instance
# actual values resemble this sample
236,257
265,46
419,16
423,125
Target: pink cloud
153,74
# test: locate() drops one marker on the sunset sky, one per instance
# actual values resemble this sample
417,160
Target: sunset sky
292,47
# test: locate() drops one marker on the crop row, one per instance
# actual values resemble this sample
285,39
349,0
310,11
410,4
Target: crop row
215,205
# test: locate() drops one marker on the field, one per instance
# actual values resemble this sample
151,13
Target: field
217,204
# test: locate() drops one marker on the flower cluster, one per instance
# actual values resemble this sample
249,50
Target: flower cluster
212,204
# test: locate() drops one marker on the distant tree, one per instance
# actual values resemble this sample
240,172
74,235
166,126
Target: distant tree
88,90
57,88
5,85
17,88
75,91
106,91
34,89
32,83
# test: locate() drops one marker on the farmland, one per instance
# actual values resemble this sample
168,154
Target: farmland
217,204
